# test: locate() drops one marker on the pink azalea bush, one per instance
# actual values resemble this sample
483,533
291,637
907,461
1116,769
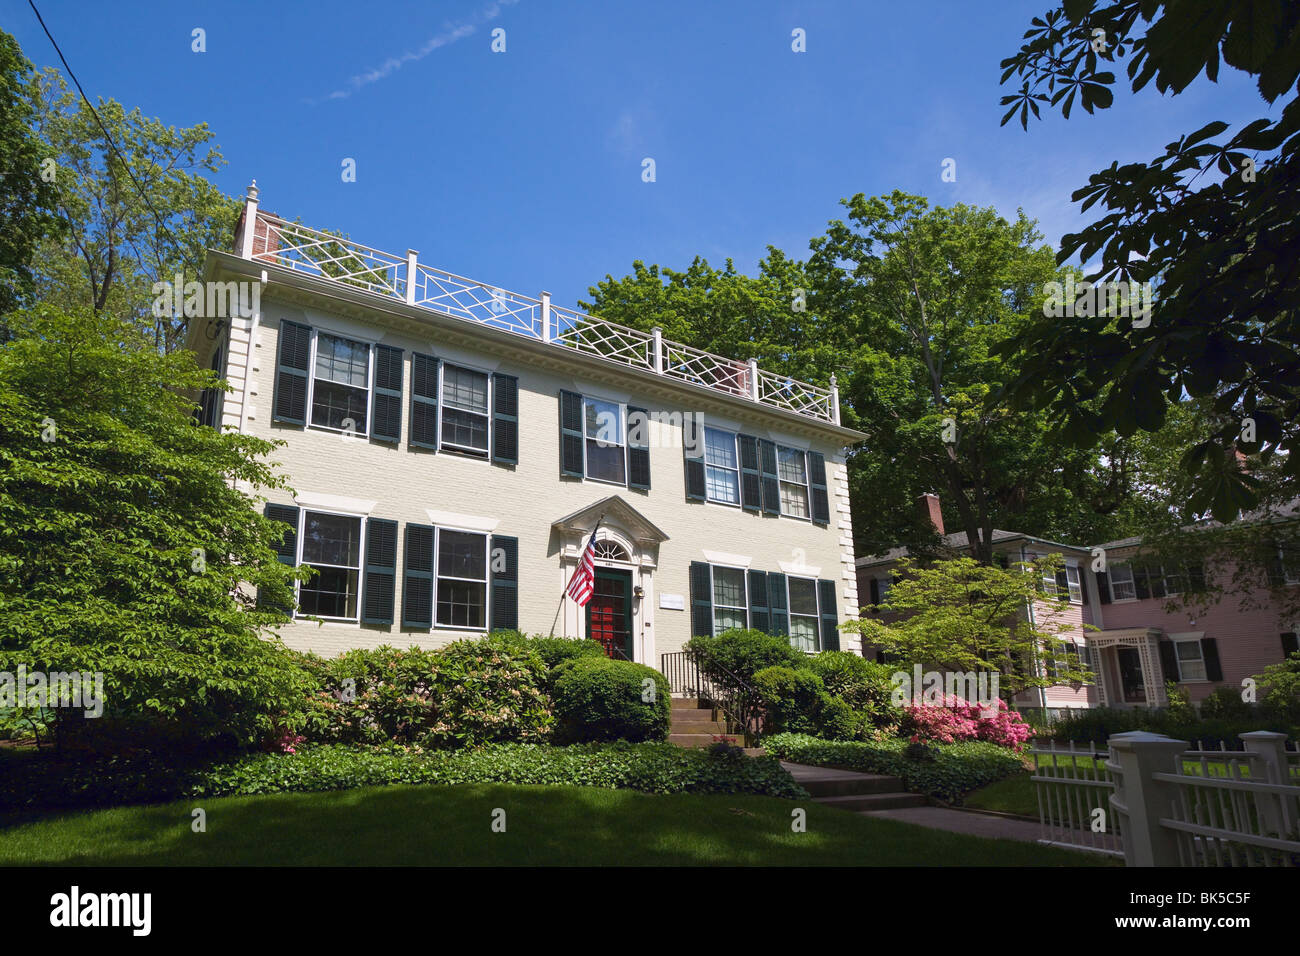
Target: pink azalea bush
955,719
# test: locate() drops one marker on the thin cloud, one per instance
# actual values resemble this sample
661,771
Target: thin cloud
390,66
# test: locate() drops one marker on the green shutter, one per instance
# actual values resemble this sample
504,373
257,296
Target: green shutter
381,571
821,507
778,604
571,457
701,600
1168,660
768,477
425,372
417,580
830,617
1290,644
503,560
387,425
286,548
759,619
693,454
505,419
293,356
751,487
638,452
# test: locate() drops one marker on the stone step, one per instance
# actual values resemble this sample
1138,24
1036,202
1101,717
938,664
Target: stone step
698,740
866,802
695,717
690,703
850,786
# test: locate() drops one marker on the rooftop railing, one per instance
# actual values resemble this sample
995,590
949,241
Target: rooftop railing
405,278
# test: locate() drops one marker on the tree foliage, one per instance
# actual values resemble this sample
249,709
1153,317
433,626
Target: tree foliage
1211,222
966,616
127,546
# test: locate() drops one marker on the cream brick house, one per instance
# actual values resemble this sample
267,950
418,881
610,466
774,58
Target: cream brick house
452,445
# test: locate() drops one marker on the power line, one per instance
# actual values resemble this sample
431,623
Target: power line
107,137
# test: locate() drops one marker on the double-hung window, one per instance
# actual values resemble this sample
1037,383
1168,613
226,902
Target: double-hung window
730,607
605,441
340,386
792,469
462,578
803,613
331,545
1191,660
1074,583
465,409
1122,586
721,466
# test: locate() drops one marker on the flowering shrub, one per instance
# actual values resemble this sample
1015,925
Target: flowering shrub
955,720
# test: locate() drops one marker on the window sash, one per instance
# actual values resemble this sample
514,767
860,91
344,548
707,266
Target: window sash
608,457
350,595
477,587
721,467
1122,586
735,615
1074,583
1190,666
794,482
805,633
347,391
463,418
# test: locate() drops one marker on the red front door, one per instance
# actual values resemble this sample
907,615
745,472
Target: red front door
609,612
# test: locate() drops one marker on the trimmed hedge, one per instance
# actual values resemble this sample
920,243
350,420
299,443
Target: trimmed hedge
948,771
599,698
45,783
1097,724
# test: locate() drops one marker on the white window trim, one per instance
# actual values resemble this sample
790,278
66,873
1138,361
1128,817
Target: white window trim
807,483
817,618
481,454
360,568
622,421
1288,578
1076,585
370,382
1192,637
735,447
486,580
744,593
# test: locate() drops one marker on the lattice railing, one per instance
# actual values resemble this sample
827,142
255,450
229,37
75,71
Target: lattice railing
467,299
302,249
794,395
706,369
608,340
332,257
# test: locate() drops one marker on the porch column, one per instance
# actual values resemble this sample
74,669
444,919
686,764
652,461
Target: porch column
1155,686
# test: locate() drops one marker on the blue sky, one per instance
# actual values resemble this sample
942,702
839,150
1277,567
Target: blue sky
523,169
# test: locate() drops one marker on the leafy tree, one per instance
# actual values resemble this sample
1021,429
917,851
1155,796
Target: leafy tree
962,615
117,244
126,544
1211,222
932,293
27,197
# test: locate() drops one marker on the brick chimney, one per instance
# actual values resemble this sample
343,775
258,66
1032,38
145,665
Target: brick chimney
929,505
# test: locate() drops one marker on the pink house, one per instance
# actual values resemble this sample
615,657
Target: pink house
1124,630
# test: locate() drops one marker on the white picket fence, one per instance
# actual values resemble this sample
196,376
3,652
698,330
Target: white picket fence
1157,802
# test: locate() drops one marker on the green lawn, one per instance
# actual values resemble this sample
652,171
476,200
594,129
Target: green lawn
433,825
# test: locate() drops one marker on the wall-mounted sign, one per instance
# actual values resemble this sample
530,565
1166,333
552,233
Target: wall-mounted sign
672,602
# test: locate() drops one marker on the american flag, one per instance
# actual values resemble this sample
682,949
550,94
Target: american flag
583,581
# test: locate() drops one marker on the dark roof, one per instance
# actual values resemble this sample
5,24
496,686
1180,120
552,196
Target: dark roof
959,541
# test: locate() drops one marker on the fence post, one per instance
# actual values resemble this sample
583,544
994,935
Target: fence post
753,379
1267,752
835,399
546,316
1143,800
412,271
657,338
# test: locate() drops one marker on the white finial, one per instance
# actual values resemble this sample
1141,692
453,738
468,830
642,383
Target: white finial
834,381
252,190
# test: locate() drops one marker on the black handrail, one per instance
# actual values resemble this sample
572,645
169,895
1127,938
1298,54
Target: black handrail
737,699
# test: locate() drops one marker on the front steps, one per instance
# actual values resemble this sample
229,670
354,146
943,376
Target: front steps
856,792
694,723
